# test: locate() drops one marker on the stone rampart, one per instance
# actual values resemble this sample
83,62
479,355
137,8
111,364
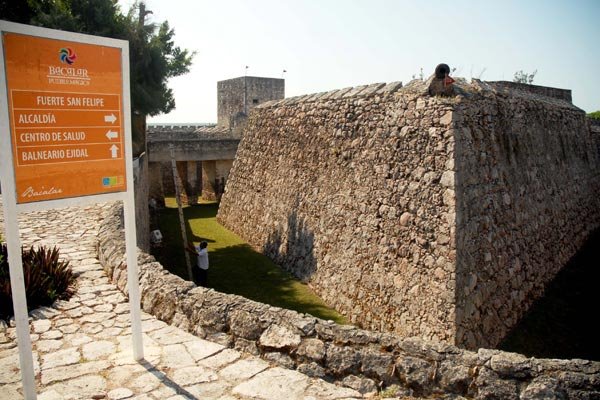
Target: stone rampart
435,217
561,94
342,189
346,355
527,189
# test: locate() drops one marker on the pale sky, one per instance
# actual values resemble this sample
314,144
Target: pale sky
332,44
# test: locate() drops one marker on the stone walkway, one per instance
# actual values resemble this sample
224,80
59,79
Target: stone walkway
82,347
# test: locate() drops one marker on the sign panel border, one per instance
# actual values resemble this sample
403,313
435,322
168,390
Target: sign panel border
33,31
12,209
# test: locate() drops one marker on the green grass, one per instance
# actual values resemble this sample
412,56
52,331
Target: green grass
235,267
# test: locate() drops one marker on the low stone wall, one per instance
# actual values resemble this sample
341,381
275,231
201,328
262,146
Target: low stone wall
349,356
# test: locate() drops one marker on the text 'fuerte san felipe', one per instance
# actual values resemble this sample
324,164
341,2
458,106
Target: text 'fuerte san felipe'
70,101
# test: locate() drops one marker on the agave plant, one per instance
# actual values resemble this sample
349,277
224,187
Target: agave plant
46,277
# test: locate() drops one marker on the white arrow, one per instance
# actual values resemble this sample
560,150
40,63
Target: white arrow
112,134
110,118
114,149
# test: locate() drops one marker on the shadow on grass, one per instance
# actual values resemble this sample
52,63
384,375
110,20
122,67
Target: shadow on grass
562,324
241,270
235,267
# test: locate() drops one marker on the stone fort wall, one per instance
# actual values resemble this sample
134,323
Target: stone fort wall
437,217
527,189
344,192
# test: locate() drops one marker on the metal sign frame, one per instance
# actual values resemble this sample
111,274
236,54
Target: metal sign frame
12,209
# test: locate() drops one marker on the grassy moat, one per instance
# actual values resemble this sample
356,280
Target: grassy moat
562,324
235,267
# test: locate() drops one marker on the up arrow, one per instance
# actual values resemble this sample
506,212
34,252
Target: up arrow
110,118
112,134
114,149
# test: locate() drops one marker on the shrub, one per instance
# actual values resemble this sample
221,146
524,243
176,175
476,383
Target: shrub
46,278
594,115
524,77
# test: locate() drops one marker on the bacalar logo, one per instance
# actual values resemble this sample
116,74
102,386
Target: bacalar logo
67,55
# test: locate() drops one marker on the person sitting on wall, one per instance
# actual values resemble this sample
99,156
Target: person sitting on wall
442,83
201,270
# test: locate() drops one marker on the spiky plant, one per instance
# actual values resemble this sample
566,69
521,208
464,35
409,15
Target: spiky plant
46,277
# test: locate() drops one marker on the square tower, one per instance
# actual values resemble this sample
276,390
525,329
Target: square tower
237,96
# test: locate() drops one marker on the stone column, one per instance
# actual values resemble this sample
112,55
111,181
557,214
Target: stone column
208,180
156,183
222,168
182,171
192,183
167,179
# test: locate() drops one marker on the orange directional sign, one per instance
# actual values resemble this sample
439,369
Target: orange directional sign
66,117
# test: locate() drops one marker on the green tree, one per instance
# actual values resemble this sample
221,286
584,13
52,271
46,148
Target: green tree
524,77
153,55
154,59
16,11
595,115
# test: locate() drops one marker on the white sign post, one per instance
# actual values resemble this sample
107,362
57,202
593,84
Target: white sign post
65,140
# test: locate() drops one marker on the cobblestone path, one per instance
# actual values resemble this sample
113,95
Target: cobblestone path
82,347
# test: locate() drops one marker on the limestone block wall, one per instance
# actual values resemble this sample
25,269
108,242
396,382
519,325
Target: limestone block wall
527,190
343,189
442,218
